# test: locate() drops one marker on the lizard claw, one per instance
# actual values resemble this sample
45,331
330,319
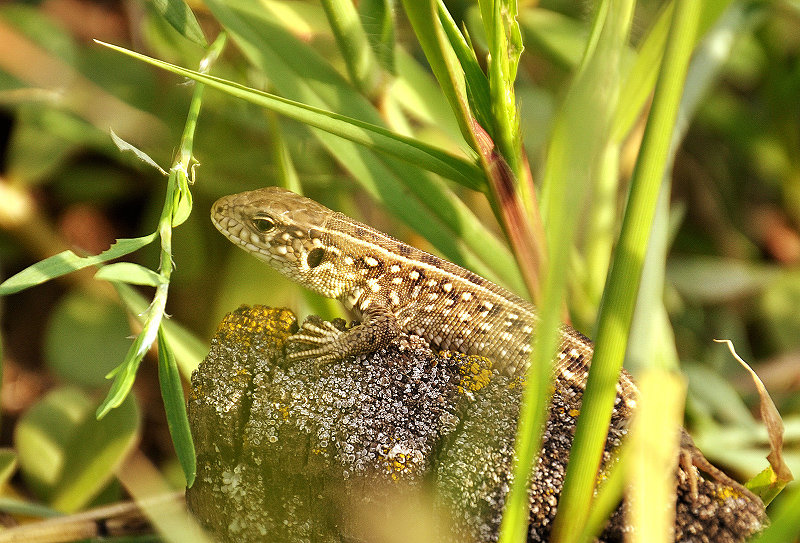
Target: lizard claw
318,339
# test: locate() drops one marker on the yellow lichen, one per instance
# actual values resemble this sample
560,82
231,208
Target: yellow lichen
476,372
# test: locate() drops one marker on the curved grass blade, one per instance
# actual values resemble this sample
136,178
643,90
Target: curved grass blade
67,262
370,135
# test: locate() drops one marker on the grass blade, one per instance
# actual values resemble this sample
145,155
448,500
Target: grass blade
370,135
175,406
68,262
624,277
179,15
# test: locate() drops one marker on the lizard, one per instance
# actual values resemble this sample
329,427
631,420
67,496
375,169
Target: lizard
389,286
392,287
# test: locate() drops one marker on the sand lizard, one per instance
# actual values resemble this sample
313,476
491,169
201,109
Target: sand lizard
390,287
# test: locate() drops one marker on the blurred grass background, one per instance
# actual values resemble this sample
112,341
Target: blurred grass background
733,269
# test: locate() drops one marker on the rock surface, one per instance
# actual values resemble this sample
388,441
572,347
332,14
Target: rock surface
403,440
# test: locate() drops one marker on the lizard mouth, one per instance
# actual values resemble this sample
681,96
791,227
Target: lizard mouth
223,221
230,226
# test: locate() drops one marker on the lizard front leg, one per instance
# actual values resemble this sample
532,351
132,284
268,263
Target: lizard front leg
327,343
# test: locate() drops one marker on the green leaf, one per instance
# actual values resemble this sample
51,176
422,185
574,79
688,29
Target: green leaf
85,338
67,456
123,145
128,272
67,262
766,485
94,452
175,406
42,435
188,348
125,373
180,17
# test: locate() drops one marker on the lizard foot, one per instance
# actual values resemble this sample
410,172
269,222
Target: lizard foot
316,339
692,460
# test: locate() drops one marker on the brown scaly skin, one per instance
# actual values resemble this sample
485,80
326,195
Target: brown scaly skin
392,287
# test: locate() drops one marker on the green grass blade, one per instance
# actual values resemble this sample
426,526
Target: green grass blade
477,84
624,277
372,136
175,408
180,17
423,18
68,262
580,128
609,494
362,66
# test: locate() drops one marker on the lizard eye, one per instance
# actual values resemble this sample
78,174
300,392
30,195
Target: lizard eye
314,257
263,224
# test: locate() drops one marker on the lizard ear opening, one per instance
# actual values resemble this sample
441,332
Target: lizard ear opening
315,257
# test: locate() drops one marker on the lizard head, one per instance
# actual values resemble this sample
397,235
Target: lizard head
282,228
